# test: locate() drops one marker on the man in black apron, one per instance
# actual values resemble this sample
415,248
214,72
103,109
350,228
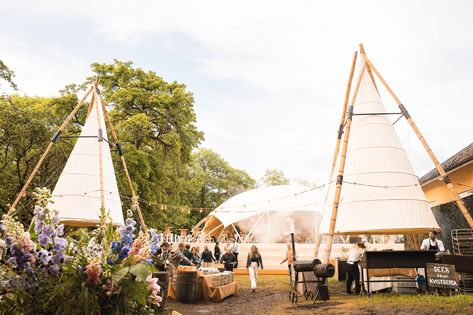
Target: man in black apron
432,243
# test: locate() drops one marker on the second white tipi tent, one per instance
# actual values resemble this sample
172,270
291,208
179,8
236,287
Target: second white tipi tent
381,193
88,180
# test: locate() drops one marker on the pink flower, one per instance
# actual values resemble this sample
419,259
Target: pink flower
155,288
94,271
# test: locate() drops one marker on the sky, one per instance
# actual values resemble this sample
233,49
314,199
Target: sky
268,77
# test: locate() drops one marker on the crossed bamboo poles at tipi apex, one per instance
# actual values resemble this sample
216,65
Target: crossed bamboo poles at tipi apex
344,130
96,101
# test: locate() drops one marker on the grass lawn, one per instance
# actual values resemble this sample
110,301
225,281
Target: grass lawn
271,298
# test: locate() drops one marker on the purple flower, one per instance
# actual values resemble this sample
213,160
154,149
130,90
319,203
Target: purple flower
44,240
38,226
60,230
59,258
44,256
48,230
59,243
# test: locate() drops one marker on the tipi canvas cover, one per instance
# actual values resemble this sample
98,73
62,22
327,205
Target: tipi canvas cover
77,195
380,193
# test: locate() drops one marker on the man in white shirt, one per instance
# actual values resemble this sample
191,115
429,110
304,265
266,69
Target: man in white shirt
432,243
353,272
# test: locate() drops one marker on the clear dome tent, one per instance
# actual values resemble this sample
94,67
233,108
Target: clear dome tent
266,214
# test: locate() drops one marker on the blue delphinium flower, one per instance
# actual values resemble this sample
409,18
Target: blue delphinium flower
124,252
154,248
116,246
44,240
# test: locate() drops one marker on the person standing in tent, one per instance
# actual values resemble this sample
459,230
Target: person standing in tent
228,259
207,258
432,243
290,260
187,252
217,252
253,262
235,252
353,271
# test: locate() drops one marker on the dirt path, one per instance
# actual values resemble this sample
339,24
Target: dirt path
272,299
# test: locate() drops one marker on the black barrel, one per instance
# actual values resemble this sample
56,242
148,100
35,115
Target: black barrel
187,287
305,265
324,270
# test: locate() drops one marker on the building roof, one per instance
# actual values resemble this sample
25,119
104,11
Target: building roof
457,160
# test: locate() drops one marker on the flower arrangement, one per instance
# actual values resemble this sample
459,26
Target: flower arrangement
104,271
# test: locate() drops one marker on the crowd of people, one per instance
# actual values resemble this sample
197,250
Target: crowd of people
185,255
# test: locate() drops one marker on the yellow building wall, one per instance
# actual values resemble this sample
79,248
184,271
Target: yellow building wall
462,178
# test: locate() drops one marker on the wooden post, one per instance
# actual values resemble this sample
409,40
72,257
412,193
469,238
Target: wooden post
438,166
100,141
122,159
336,200
53,140
339,136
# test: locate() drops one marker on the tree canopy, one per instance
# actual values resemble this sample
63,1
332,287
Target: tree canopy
273,177
156,124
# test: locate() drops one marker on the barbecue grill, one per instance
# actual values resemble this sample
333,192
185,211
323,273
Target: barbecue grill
320,271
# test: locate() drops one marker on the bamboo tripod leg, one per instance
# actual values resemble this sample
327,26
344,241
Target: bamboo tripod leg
438,166
122,159
336,200
102,195
339,135
46,152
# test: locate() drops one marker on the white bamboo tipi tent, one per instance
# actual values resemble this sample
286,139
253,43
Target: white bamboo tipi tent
374,189
88,183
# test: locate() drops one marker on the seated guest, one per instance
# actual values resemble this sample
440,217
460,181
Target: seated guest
432,243
353,272
195,257
228,259
207,257
174,257
187,252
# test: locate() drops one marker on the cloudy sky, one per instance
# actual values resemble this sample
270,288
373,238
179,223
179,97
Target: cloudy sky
268,76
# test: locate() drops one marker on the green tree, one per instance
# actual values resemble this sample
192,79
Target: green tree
155,121
211,180
273,177
26,126
7,75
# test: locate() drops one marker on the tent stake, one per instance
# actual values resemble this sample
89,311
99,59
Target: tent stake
438,166
336,200
122,158
339,136
53,140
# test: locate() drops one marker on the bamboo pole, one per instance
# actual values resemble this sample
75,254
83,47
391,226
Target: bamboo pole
100,138
336,200
339,135
438,166
53,140
122,159
362,51
92,100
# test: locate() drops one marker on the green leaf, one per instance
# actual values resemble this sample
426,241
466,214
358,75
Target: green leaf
120,274
141,271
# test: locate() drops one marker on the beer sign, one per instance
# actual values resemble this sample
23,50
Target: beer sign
442,276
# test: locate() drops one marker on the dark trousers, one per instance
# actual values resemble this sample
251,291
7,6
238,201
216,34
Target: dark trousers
353,274
236,257
289,267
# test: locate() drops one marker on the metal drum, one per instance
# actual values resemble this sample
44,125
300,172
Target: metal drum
305,265
324,270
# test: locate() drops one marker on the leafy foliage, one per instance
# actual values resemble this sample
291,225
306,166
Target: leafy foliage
274,177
